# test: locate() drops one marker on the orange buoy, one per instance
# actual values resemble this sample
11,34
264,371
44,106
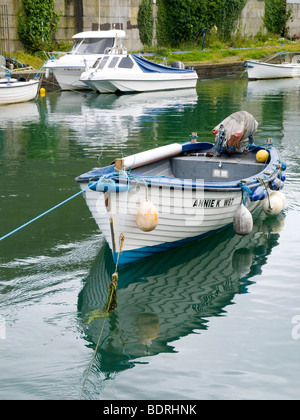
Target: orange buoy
147,217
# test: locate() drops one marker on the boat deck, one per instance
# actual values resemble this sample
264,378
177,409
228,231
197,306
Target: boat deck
228,167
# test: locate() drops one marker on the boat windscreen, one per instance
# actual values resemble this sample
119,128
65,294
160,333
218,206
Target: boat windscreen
92,46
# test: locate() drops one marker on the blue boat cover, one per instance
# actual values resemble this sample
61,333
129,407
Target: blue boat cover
150,67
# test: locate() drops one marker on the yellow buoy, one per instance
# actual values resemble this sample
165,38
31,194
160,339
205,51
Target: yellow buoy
42,92
262,156
147,217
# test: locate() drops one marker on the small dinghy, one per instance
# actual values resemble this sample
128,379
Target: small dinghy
285,65
162,198
14,91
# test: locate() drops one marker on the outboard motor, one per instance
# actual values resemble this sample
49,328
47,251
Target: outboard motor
177,65
235,133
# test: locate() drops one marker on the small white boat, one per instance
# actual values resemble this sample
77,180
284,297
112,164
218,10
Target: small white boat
15,91
88,47
266,70
132,73
162,198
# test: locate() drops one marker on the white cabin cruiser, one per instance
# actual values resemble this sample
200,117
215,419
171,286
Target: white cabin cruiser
87,48
133,73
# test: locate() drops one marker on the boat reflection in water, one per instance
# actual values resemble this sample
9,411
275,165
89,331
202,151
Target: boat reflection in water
172,294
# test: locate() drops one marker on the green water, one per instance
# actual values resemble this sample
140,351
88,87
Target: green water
217,319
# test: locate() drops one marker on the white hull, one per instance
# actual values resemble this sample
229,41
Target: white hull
143,84
179,222
11,93
68,78
257,70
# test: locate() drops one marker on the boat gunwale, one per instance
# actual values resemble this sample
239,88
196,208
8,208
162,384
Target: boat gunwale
172,182
18,84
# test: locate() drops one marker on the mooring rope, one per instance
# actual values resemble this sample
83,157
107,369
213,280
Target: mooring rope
43,214
111,303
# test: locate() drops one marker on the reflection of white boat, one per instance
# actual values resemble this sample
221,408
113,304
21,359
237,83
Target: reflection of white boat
132,73
267,70
19,113
14,91
87,48
257,88
162,198
115,116
172,295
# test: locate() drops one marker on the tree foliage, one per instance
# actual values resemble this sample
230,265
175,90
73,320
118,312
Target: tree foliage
228,16
37,22
183,21
145,22
276,16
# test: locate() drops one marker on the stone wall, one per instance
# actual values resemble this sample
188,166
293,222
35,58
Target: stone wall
82,15
79,15
252,17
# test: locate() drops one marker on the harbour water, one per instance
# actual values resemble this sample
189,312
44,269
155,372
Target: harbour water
215,319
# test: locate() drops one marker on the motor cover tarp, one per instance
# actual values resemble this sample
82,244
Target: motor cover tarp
151,67
235,132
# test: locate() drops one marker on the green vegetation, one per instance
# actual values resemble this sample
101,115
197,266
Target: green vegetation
145,22
215,53
37,22
277,14
181,25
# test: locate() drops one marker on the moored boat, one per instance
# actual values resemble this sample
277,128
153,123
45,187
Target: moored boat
287,68
133,73
162,198
15,91
88,47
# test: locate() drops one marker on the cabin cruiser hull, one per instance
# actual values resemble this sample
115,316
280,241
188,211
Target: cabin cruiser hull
142,84
68,77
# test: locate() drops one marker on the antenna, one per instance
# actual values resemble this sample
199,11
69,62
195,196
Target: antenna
99,26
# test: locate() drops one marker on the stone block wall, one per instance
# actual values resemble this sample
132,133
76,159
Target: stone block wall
252,17
83,15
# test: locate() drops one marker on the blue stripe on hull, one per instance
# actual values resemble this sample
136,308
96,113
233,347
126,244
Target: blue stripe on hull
129,257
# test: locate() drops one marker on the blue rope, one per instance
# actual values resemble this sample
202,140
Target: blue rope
43,214
246,193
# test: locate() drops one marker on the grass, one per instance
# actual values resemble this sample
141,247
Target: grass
214,52
226,54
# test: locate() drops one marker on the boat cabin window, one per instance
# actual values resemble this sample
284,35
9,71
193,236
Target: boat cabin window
113,62
103,62
126,63
91,46
95,65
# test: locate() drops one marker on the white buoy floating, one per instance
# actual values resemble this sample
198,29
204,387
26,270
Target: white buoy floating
274,203
242,221
147,216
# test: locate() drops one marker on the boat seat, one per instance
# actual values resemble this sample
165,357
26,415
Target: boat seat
162,167
214,169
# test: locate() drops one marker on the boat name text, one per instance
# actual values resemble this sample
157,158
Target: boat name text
213,202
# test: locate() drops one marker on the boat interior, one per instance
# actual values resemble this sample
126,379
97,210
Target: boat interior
205,165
